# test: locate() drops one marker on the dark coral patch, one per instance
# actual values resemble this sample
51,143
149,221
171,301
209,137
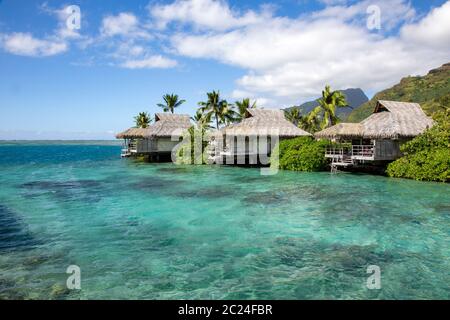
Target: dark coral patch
266,198
208,193
84,190
154,184
175,170
14,234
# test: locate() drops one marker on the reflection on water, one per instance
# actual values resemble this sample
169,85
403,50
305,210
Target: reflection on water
160,231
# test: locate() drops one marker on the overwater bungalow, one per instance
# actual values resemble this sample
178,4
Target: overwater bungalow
376,139
156,140
252,139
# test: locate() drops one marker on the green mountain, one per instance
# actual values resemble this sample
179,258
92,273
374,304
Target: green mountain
432,91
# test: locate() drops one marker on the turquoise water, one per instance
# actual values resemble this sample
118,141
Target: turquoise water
161,231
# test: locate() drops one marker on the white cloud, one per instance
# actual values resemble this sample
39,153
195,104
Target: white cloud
208,14
124,24
260,100
63,33
156,61
129,42
432,31
26,45
393,12
124,50
290,59
286,59
333,2
240,94
276,42
135,50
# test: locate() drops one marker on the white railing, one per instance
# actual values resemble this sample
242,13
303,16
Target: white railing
366,151
337,153
132,146
333,151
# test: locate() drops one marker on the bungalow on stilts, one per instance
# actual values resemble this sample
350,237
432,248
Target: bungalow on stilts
252,140
158,140
377,139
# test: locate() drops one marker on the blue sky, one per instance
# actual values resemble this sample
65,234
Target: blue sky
88,83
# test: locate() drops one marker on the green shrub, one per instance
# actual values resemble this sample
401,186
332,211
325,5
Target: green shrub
434,138
300,154
428,165
426,157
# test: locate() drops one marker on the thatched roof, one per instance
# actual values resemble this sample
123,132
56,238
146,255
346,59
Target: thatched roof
341,130
260,122
133,133
390,120
165,125
396,119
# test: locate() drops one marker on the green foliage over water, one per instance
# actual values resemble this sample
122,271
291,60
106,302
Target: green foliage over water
432,91
427,157
300,154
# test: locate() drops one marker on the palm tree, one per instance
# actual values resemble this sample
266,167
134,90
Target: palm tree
201,120
220,110
294,115
170,102
198,116
242,107
312,122
142,120
324,115
330,101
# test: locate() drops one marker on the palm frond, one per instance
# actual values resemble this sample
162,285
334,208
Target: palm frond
171,102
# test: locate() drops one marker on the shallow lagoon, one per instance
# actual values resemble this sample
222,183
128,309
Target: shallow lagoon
161,231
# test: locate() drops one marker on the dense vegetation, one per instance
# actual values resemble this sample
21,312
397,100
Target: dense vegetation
427,157
431,91
300,154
